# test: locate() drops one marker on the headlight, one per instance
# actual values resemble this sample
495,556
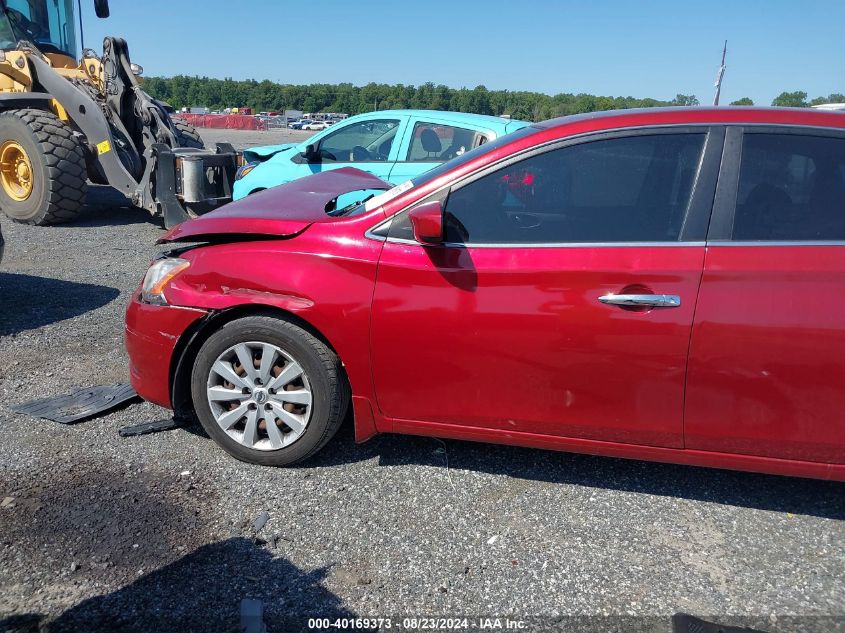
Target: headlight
158,276
136,69
243,170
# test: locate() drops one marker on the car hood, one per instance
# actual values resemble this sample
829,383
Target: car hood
262,153
282,211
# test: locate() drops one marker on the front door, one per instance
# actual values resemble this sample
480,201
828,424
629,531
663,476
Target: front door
563,300
767,357
371,145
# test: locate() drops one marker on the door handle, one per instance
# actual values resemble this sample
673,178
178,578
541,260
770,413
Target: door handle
652,301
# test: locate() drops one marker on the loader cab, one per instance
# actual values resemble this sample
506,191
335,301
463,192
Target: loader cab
49,24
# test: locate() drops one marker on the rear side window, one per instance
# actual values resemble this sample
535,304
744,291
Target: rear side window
626,189
791,188
433,142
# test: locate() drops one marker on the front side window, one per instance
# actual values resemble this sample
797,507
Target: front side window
48,25
628,189
432,142
791,188
362,142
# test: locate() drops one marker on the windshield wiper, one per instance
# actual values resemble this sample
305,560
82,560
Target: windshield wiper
350,207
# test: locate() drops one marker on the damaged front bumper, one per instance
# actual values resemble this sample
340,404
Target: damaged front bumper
152,334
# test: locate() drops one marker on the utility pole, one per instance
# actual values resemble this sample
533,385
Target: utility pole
720,74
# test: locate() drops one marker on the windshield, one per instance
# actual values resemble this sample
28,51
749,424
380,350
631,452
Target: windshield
431,174
48,24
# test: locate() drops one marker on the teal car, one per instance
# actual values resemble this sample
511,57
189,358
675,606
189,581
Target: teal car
395,145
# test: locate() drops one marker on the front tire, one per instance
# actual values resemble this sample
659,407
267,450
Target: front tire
43,176
267,391
187,135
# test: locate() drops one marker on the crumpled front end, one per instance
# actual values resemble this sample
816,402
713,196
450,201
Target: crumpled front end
151,334
283,211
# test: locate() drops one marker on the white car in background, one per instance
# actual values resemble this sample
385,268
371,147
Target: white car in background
317,125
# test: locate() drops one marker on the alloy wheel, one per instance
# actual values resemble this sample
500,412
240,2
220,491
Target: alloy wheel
259,395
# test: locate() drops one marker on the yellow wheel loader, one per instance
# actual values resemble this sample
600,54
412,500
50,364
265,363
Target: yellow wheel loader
66,121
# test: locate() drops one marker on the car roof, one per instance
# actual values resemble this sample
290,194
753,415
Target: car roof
750,115
468,118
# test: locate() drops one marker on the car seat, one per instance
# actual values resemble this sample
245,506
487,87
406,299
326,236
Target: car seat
765,214
430,143
827,206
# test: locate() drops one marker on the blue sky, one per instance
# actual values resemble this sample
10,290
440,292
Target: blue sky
613,47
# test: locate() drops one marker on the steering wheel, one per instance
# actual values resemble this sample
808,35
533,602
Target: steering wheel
359,154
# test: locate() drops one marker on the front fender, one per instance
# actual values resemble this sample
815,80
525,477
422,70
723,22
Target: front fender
264,176
331,293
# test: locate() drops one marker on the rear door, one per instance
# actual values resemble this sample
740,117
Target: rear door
429,143
523,321
767,356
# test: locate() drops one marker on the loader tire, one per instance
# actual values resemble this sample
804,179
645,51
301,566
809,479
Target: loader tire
43,176
187,135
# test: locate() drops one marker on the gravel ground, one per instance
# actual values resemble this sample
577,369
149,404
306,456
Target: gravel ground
99,532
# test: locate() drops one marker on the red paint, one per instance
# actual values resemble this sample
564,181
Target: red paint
427,220
365,424
151,334
752,463
512,346
516,339
325,277
768,347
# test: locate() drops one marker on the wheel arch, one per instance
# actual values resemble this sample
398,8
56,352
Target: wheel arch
17,100
192,340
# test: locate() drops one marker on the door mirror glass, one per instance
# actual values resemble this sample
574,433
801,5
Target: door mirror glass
427,222
101,8
311,155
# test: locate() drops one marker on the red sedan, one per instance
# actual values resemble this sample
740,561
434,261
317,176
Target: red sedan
661,284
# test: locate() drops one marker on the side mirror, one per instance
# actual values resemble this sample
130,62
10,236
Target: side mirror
310,154
101,8
427,222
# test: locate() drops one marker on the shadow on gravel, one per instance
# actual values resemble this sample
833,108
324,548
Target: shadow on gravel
105,206
764,492
202,592
31,302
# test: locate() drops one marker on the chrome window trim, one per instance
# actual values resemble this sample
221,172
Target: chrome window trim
778,243
397,240
718,243
798,128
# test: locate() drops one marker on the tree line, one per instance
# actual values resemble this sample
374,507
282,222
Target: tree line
182,91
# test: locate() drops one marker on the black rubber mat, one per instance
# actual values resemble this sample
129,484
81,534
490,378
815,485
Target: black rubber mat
79,405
